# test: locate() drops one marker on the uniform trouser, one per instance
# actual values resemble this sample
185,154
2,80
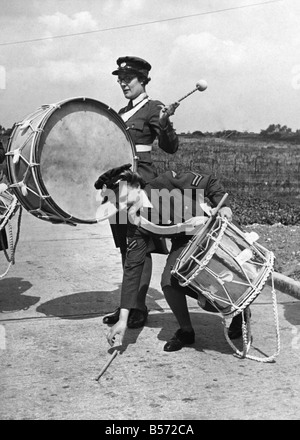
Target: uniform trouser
120,237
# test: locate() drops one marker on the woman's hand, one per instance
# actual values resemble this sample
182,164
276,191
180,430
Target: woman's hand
166,111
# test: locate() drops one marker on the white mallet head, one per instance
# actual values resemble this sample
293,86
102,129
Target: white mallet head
201,85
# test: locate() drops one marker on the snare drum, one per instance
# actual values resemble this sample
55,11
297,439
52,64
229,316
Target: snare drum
225,265
57,153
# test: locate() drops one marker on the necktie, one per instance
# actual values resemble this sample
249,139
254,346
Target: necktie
129,106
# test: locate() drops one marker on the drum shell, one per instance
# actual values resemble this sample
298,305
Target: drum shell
228,271
64,148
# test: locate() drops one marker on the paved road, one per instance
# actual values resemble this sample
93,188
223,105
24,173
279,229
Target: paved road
52,342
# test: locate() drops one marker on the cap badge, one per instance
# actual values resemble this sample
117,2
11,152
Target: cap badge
123,64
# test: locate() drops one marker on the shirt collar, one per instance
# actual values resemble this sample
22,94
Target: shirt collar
139,99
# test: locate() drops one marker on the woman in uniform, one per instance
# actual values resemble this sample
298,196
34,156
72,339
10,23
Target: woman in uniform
147,120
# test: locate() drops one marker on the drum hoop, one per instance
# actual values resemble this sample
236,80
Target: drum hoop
256,291
111,111
44,113
208,256
250,296
53,107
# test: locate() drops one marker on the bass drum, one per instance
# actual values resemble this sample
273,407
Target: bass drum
56,154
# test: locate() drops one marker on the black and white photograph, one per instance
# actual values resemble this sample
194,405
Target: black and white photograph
149,213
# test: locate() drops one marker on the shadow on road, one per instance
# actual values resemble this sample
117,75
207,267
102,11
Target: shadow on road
11,295
81,305
208,328
90,304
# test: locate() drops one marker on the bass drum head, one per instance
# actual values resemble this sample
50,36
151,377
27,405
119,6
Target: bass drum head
81,139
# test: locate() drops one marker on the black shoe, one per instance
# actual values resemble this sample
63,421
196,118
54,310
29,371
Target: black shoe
179,340
137,318
235,329
113,317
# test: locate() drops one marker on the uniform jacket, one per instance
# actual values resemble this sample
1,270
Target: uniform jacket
144,128
184,193
138,240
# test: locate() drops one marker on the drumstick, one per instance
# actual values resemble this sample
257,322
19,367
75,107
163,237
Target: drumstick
211,219
219,206
109,361
201,85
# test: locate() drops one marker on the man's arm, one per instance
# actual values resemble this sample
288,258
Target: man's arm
215,193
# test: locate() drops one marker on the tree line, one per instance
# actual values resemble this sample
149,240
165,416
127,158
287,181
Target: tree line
273,132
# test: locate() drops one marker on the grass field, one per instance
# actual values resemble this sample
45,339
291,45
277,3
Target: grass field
262,178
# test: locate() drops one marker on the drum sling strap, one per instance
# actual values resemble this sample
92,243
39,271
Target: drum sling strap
127,115
246,332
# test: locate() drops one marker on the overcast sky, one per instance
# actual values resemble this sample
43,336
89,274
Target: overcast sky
250,57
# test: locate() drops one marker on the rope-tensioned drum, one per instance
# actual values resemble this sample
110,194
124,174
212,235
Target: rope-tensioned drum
228,268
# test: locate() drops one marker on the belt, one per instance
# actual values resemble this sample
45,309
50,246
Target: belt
143,148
